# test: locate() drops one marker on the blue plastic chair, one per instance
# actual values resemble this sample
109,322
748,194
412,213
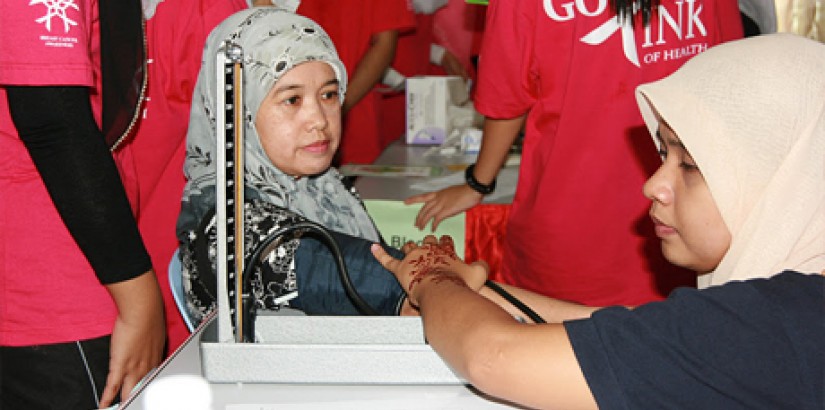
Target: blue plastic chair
176,284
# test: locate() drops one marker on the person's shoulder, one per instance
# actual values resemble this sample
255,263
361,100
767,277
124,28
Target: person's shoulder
791,295
787,279
791,284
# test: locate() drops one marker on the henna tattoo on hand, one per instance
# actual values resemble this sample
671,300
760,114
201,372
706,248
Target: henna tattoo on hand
450,278
432,261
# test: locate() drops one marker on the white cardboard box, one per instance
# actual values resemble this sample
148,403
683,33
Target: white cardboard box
430,100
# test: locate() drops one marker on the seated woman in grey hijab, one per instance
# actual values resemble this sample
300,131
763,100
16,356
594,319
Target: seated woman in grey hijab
294,84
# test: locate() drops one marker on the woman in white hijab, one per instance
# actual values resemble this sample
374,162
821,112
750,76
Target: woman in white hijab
739,198
754,123
291,134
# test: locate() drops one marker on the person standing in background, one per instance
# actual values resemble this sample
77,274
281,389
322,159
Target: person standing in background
446,37
175,46
458,28
365,32
81,315
566,72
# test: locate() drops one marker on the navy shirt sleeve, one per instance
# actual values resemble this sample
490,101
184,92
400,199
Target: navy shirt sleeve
745,345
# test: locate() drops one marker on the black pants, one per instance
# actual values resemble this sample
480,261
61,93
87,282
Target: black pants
57,376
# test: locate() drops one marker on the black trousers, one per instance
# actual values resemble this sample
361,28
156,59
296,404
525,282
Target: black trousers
56,376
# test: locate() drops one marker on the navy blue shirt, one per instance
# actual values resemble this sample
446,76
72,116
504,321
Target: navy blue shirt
756,344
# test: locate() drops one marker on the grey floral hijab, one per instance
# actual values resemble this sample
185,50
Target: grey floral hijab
273,40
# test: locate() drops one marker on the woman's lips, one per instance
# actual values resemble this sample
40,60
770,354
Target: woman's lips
662,230
318,147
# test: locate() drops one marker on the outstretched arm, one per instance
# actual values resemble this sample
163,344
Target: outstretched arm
551,310
499,136
528,364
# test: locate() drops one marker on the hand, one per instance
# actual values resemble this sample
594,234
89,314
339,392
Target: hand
436,261
474,274
138,337
451,65
443,204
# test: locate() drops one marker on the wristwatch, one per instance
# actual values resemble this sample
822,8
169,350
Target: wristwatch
478,186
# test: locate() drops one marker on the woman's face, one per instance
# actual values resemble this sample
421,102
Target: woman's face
299,120
687,220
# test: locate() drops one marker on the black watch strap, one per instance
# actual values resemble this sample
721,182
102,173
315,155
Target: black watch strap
478,186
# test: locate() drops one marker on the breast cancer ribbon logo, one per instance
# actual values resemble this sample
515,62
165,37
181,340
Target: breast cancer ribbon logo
56,8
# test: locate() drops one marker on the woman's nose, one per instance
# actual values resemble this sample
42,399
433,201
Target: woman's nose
317,117
658,187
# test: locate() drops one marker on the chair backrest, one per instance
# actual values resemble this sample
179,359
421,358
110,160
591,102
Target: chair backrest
176,284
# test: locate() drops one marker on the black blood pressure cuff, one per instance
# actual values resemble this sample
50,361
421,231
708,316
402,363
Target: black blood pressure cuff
300,273
319,286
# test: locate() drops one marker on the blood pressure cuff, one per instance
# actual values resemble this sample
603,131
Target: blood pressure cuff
296,273
319,285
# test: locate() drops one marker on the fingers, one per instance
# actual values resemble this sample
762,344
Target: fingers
416,199
426,213
128,385
117,382
386,260
446,242
113,384
408,247
481,264
429,240
479,272
436,221
433,208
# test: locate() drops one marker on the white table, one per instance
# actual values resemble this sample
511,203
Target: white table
399,153
260,396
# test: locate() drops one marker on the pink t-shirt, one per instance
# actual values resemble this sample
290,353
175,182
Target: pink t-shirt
48,291
578,227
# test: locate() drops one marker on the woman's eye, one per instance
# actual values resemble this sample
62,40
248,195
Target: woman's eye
291,100
688,166
330,95
687,163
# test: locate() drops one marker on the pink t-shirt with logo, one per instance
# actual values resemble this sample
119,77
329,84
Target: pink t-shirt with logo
578,227
48,291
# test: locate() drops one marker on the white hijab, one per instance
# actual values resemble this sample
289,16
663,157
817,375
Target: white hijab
752,115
